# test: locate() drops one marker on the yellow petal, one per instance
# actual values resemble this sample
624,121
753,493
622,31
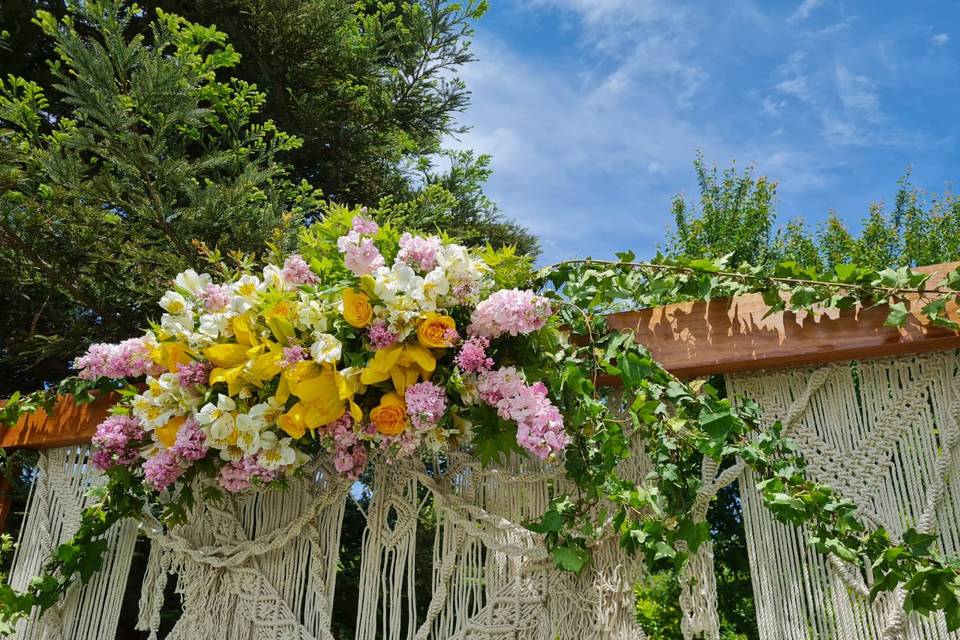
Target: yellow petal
372,376
265,366
167,434
283,390
421,356
403,377
355,412
233,376
292,421
242,330
322,412
226,355
386,359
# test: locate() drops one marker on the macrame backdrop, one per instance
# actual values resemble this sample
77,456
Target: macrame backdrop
885,435
57,497
263,566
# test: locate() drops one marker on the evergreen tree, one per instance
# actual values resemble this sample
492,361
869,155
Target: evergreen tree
98,207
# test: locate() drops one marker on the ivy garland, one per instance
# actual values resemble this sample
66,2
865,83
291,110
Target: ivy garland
678,423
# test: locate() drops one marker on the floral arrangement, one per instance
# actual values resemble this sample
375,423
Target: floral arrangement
249,377
372,345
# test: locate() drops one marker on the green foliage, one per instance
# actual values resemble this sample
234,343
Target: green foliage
737,217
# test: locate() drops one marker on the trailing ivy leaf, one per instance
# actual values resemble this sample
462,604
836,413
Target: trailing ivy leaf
898,315
571,556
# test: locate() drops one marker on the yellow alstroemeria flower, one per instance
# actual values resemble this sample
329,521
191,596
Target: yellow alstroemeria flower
167,434
348,382
171,355
401,363
243,363
319,393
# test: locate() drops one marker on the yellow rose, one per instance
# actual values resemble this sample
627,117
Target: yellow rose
390,418
434,330
357,310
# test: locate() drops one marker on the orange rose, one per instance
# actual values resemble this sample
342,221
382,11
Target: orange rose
434,330
357,310
390,418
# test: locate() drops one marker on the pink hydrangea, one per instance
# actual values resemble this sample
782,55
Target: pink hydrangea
162,470
293,355
116,441
216,297
361,256
239,475
426,403
129,359
540,428
472,357
350,456
297,271
193,374
191,443
364,226
380,335
419,252
509,311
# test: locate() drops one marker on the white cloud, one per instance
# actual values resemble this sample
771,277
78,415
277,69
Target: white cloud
940,39
804,10
857,94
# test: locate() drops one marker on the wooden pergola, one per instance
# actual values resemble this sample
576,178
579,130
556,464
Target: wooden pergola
691,339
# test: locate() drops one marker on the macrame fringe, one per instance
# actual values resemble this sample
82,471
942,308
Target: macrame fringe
57,498
885,435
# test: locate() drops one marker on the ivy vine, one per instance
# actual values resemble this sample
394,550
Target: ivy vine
678,423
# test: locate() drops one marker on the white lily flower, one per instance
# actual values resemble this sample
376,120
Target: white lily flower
175,303
192,281
217,418
326,349
275,452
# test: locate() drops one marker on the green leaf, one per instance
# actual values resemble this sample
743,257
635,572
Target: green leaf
898,315
570,557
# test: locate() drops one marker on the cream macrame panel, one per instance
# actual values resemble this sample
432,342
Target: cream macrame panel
885,435
263,566
56,500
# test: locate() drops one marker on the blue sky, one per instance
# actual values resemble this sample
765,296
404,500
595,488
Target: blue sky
593,110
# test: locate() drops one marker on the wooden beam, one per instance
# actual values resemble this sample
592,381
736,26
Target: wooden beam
690,339
67,424
695,339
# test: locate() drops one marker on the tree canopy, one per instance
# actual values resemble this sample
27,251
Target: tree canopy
130,135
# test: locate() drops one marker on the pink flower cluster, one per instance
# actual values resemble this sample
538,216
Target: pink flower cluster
293,355
361,256
380,335
193,374
191,443
216,297
116,441
350,456
426,403
297,271
168,465
509,311
472,357
419,252
162,470
364,226
129,359
239,475
539,423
